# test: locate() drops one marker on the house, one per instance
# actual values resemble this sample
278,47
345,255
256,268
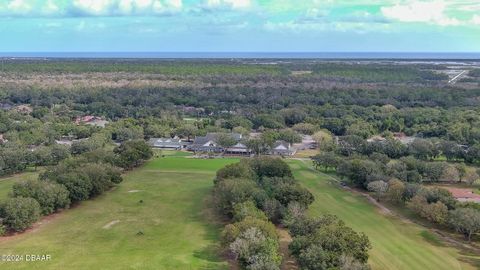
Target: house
283,148
91,120
464,194
168,143
209,143
238,149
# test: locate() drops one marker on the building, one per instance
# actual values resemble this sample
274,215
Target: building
168,143
207,143
283,148
238,149
91,120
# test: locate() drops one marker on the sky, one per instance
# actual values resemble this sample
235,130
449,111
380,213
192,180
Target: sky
239,26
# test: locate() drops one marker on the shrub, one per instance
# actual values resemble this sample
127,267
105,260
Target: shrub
270,167
78,185
232,231
324,241
255,250
237,170
132,153
50,195
465,221
247,209
233,191
396,190
19,213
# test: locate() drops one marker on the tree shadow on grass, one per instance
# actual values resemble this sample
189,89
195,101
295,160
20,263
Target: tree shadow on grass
213,223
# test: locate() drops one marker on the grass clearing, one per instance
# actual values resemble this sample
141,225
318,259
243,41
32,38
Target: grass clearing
6,183
165,224
396,244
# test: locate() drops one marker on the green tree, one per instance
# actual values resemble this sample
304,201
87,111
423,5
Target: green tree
50,195
465,221
19,213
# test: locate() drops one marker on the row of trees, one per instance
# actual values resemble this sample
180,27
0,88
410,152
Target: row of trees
260,192
255,194
73,180
434,204
424,149
361,170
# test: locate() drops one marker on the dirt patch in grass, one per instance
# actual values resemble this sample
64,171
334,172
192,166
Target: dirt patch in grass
110,224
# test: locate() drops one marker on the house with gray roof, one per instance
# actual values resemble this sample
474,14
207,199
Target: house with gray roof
209,143
283,148
167,143
238,149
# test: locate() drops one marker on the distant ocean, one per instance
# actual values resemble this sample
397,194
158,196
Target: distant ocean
248,55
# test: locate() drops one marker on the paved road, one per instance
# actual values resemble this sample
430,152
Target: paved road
454,79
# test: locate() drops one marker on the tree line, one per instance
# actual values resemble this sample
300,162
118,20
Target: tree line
71,181
258,193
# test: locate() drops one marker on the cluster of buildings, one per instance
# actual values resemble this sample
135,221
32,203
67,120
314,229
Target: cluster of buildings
209,144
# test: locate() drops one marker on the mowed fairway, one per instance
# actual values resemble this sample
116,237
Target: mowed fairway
396,244
158,218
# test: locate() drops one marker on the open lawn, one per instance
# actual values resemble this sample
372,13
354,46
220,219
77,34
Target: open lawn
396,244
158,218
6,183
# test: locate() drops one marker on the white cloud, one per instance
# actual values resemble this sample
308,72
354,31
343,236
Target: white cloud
19,6
414,11
476,19
126,7
61,8
233,4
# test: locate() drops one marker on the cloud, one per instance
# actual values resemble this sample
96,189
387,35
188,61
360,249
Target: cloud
85,8
432,12
228,4
476,20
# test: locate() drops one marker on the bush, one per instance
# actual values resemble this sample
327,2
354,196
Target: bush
78,185
324,241
255,250
232,231
465,221
230,192
247,209
50,195
19,213
132,153
270,167
237,170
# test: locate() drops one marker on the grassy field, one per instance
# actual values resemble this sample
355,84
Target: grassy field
396,244
6,183
172,228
